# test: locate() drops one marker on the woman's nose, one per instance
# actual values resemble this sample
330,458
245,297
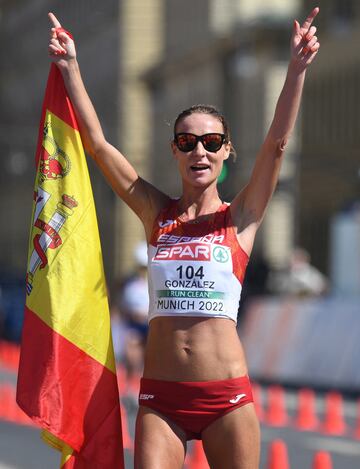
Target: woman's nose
199,148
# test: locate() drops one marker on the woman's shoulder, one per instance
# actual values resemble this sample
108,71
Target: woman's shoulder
167,213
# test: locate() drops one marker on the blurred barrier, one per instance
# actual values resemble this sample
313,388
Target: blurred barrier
304,342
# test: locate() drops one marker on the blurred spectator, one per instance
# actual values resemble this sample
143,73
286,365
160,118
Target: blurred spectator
129,305
129,374
255,283
118,330
12,300
2,316
133,299
131,365
133,355
303,278
129,323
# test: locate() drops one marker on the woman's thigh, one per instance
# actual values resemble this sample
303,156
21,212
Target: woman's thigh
159,443
233,441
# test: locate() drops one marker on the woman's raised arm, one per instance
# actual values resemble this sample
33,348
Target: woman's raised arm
143,198
249,205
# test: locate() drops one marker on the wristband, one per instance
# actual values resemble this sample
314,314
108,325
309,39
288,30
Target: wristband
62,30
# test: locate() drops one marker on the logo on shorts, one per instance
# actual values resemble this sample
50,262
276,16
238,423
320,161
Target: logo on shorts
146,397
237,398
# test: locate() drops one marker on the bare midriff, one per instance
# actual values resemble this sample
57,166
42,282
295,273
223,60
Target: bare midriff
193,349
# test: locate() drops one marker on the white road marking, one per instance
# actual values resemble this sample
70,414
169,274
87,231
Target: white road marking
333,445
317,442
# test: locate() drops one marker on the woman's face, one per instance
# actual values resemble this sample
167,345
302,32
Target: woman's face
200,167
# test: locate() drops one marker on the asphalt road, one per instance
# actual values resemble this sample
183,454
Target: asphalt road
345,452
22,448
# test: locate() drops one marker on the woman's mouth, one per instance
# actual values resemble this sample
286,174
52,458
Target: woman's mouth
199,167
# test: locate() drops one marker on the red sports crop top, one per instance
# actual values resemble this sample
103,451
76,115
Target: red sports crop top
196,268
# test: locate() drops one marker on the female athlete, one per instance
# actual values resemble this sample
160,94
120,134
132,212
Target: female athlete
195,382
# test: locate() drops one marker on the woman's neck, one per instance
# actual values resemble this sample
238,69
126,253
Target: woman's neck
197,203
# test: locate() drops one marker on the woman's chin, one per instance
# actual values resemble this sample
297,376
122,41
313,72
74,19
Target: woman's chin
200,179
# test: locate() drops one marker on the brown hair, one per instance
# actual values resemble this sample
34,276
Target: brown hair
204,109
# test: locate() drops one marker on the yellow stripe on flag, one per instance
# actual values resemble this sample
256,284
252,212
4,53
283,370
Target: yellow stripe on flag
67,218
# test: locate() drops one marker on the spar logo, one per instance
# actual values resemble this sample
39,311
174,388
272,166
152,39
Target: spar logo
184,252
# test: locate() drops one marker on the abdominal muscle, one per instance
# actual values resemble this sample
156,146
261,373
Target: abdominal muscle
193,349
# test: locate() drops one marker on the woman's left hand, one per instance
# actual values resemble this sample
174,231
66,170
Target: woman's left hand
304,43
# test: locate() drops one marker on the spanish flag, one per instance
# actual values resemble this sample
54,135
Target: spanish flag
67,376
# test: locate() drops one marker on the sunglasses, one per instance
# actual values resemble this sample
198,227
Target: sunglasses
187,142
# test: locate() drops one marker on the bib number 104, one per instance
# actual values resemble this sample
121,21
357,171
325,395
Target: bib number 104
190,272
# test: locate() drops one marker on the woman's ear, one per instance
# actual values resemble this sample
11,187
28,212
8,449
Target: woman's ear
228,148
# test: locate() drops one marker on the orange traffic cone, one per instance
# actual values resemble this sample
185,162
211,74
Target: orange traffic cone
322,460
197,459
7,401
334,423
22,418
9,355
306,418
256,391
276,414
278,455
127,441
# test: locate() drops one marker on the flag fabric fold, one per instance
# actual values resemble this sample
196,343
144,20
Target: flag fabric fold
67,375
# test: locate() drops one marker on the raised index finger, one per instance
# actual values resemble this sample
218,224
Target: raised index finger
54,20
307,23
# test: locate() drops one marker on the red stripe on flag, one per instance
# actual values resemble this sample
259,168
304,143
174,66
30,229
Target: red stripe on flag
56,101
75,463
64,390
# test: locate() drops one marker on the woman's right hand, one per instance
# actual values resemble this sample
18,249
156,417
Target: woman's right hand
304,43
61,47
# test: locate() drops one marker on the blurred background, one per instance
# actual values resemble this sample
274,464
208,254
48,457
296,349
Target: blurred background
143,61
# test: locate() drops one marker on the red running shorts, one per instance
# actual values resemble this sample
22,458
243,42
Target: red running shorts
193,406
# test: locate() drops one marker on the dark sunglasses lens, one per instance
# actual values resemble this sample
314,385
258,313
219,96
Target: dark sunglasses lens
185,142
212,142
